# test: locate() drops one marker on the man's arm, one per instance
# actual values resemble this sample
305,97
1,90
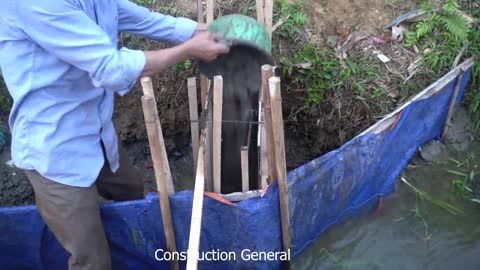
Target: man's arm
140,21
65,31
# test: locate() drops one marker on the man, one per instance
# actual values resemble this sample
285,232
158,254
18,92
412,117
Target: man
62,67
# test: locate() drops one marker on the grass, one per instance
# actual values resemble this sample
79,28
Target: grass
427,197
341,263
464,174
5,98
440,38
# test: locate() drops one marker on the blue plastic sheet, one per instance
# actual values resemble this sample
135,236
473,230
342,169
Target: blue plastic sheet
322,193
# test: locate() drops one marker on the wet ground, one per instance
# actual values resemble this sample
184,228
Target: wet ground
407,232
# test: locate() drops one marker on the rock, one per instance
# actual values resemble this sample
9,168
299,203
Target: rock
332,41
434,151
460,134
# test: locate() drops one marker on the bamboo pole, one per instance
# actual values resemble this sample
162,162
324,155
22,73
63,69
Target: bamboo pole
162,159
453,99
245,170
217,132
192,102
155,140
260,11
267,73
269,17
276,102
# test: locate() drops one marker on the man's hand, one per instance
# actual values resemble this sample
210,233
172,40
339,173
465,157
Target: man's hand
206,46
200,29
203,46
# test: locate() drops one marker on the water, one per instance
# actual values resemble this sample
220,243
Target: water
407,233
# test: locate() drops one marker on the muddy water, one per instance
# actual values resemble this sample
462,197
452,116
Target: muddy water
407,233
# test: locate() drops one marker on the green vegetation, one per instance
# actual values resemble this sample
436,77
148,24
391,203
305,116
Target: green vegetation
464,173
427,197
322,72
5,98
339,262
441,37
297,19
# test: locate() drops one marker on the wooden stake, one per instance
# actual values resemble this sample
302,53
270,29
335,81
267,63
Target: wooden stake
267,73
161,160
192,103
217,132
245,170
200,11
155,141
276,102
210,10
269,17
453,99
197,210
262,147
260,11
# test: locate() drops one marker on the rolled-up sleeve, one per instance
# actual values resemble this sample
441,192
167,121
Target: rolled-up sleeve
64,30
140,21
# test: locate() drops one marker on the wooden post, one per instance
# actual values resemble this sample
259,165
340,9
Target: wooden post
197,210
210,10
269,17
453,99
260,11
278,133
160,161
155,140
217,132
245,170
192,103
262,147
267,73
200,11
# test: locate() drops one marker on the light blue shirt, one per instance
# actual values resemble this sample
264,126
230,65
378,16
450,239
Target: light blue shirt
62,67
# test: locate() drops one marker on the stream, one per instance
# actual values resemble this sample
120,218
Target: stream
408,232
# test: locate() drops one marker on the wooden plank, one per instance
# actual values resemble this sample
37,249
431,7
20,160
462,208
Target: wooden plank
155,140
198,195
260,11
200,18
269,17
197,210
245,171
453,99
210,10
208,159
193,106
278,134
262,148
204,85
217,132
433,89
163,159
267,73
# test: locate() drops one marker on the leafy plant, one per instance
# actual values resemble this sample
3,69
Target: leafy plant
441,37
427,197
5,98
296,18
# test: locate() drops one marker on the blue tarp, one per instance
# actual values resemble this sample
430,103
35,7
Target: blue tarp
321,193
